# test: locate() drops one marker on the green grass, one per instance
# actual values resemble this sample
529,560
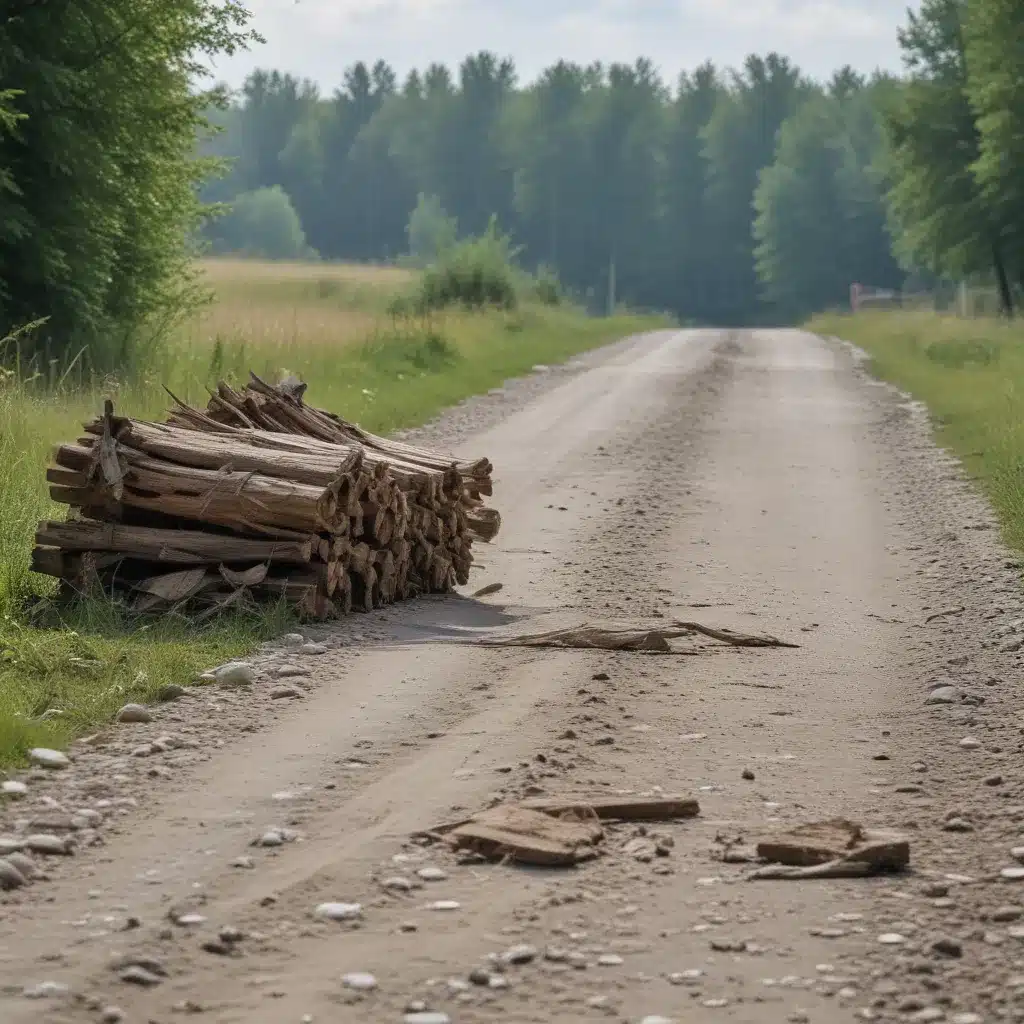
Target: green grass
398,374
970,374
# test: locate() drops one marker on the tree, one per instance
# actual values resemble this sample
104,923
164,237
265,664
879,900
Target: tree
940,217
431,232
262,223
102,169
995,86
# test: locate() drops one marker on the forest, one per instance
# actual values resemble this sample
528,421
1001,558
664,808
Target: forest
728,196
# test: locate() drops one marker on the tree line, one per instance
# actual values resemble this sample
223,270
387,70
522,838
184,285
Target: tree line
727,196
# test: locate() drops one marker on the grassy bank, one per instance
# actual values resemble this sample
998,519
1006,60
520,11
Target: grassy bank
970,374
330,326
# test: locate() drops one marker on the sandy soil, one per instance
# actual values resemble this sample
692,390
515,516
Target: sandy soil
752,480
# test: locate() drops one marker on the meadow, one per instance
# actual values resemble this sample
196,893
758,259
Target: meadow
970,374
329,324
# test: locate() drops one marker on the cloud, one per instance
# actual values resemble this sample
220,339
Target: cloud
318,39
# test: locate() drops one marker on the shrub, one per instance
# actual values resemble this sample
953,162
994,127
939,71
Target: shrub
261,223
474,274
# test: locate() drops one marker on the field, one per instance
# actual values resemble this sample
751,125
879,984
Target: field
970,374
327,324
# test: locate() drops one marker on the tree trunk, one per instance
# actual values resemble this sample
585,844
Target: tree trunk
1003,282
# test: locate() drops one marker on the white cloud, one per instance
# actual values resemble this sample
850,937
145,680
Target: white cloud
318,39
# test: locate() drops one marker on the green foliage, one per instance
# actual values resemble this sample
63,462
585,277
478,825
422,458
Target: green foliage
431,232
100,170
476,273
263,224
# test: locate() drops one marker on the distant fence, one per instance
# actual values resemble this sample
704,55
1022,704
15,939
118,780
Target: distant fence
961,300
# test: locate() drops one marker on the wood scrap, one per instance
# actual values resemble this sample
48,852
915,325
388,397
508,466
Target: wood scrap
832,849
640,640
619,808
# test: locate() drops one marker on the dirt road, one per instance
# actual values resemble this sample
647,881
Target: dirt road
751,480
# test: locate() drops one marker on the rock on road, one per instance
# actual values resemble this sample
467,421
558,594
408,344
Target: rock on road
753,480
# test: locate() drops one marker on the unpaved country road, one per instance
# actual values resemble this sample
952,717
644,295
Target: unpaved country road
753,480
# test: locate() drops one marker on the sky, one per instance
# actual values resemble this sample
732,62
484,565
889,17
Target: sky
318,39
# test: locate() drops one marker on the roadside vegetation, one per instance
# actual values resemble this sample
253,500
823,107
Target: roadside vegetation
970,374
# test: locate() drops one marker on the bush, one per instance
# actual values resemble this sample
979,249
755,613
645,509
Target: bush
262,223
546,287
474,274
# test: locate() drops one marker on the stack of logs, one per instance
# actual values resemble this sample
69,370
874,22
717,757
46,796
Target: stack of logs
260,496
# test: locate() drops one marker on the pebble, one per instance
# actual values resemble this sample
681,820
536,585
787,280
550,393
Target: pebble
45,990
1007,913
928,1014
312,649
284,691
49,845
1012,874
480,976
749,776
518,955
945,946
445,905
14,790
427,1017
291,672
235,673
293,639
270,838
167,694
134,713
339,911
243,862
970,743
1017,853
359,981
10,876
397,884
432,874
137,975
690,977
610,960
944,695
715,1004
46,758
655,1019
891,939
112,1015
957,825
966,1018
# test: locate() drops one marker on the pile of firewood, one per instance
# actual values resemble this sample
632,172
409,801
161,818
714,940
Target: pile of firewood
260,496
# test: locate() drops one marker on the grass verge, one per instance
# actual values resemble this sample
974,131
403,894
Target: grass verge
970,374
60,679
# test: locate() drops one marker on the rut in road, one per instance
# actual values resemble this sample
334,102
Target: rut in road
757,476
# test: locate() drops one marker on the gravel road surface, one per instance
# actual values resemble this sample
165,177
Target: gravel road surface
752,480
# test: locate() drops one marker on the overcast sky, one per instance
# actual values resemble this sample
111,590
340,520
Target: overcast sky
318,38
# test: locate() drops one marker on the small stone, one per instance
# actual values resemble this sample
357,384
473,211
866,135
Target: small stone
498,981
10,876
1006,914
891,939
339,911
272,837
230,935
519,955
970,743
445,905
293,639
286,691
715,1004
112,1015
359,981
430,874
136,975
235,673
957,825
171,692
748,775
479,976
935,890
23,863
655,1019
48,845
610,960
292,672
946,946
134,713
966,1018
46,758
45,990
1017,853
14,790
1012,874
994,780
427,1017
945,695
217,947
397,884
243,862
928,1015
312,649
690,977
